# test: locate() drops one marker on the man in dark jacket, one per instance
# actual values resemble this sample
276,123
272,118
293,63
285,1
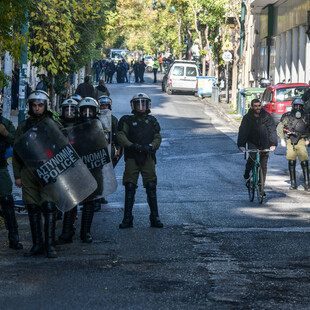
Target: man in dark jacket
85,89
258,130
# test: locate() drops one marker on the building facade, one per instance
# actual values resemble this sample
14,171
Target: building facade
279,41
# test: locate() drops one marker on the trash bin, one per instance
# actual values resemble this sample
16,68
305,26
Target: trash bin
247,95
215,94
205,84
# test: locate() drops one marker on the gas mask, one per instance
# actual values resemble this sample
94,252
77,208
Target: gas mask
298,114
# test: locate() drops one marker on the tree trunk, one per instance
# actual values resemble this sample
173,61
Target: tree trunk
179,22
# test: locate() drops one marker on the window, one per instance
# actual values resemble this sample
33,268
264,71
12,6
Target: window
178,71
290,93
191,71
269,96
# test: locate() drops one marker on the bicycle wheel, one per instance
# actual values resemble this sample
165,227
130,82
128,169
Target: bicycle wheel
260,185
250,186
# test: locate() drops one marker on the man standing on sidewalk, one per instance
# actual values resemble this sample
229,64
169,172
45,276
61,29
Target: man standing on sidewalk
7,135
258,131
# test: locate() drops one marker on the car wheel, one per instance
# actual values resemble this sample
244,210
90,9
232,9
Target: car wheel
169,91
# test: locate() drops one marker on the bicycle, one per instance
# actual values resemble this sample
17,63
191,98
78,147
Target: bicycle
255,182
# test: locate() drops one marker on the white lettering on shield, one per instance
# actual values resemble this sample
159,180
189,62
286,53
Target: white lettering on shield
96,159
50,170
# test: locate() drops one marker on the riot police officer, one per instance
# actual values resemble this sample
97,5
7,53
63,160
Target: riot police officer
7,135
88,110
105,103
37,198
295,126
68,118
139,134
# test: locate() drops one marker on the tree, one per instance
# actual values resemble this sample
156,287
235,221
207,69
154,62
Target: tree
207,16
12,18
57,27
235,9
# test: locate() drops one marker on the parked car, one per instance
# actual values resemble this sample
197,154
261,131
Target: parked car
277,99
181,76
149,61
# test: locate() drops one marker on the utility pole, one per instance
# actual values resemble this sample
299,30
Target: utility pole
23,77
242,34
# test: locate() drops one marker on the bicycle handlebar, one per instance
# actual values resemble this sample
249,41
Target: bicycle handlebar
257,151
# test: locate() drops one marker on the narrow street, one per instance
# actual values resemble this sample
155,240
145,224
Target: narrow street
217,250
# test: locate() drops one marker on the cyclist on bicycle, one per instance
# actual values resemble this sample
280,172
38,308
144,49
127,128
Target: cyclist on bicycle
258,131
295,126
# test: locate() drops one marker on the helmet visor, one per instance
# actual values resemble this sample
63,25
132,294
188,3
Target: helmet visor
141,105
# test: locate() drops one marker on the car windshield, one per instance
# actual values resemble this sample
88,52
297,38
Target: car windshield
290,93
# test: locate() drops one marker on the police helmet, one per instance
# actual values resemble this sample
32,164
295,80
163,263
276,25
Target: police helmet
71,103
297,101
105,100
88,104
38,96
76,97
140,98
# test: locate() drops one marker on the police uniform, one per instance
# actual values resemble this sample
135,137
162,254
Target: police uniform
139,134
7,135
37,198
296,131
155,69
68,229
84,127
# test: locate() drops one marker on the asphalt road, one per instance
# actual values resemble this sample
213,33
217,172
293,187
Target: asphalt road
217,250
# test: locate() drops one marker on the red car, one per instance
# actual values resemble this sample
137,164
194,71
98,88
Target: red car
277,99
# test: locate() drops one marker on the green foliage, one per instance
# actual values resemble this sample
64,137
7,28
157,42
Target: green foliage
4,80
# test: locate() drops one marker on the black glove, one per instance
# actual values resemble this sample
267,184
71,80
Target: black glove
147,149
136,147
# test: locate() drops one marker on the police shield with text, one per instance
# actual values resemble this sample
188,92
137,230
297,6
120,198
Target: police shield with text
88,139
139,134
49,171
68,118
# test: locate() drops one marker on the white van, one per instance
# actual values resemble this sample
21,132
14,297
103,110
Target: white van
182,77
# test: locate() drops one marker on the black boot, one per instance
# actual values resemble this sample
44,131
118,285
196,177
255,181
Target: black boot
97,205
305,172
87,218
34,215
152,201
49,211
68,230
292,170
130,191
8,213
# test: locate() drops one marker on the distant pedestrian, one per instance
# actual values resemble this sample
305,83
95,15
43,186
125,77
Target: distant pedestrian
110,69
160,61
155,69
101,90
41,84
136,71
85,89
142,66
125,68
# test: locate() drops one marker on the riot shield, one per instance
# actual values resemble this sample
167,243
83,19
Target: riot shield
89,141
106,121
58,168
